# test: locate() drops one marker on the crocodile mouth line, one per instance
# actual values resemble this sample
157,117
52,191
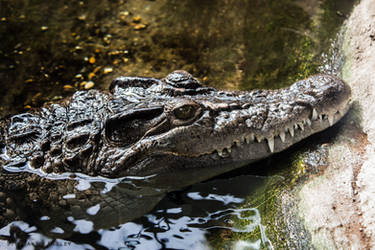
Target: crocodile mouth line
315,123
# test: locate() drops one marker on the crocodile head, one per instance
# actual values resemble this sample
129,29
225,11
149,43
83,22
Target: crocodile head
146,126
177,123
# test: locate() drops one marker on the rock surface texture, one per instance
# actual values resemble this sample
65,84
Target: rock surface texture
338,207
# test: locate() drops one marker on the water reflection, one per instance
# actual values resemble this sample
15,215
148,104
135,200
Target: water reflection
181,220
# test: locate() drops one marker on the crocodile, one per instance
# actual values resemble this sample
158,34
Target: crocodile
173,128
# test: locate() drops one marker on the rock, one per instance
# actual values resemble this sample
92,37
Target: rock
68,87
140,26
347,184
107,70
137,19
89,85
92,60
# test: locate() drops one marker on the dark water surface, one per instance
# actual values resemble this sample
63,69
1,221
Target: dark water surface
49,49
182,220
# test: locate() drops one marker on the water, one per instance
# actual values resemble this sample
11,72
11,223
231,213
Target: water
51,49
181,220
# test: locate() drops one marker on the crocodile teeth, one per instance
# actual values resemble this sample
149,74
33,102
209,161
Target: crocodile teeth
321,119
301,126
259,138
282,136
271,143
243,140
314,115
229,150
237,142
220,153
330,119
308,121
291,131
249,138
296,126
252,137
224,152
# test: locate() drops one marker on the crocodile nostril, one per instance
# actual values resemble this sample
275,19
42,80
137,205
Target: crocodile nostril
303,102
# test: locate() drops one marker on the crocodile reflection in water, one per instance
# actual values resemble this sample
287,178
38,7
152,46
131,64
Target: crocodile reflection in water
173,127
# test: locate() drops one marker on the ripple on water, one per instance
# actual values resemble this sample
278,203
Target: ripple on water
182,220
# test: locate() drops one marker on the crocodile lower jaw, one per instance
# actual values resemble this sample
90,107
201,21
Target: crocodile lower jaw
285,137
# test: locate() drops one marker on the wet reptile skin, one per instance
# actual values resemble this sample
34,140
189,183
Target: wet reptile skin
85,158
145,126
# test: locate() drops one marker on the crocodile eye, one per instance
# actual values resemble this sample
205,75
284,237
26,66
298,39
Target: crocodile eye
185,112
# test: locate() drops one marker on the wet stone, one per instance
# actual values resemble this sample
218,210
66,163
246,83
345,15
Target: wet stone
89,85
137,19
140,26
68,87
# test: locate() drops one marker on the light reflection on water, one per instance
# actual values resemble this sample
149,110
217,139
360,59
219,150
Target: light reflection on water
182,220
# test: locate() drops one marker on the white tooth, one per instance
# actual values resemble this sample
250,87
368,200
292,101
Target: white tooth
271,143
321,119
291,131
314,114
247,139
252,137
282,136
243,140
330,119
308,121
259,138
220,152
229,150
301,126
296,126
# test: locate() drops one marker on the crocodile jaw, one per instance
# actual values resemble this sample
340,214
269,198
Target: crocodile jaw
252,147
328,106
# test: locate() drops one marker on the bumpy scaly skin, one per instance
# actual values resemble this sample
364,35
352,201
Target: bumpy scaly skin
147,125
